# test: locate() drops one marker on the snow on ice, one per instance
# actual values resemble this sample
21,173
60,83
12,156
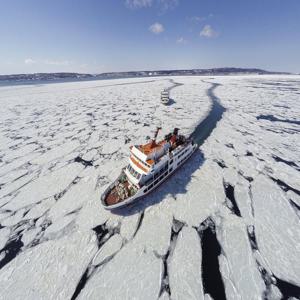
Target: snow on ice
225,224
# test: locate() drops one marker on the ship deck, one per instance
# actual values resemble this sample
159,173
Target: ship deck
113,196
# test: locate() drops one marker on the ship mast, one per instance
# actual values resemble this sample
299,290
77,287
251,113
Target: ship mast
153,143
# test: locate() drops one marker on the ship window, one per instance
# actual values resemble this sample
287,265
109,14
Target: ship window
133,172
171,161
171,169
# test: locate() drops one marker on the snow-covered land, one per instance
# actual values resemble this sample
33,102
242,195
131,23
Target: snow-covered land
225,225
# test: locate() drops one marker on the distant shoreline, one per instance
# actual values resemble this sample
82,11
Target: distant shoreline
62,77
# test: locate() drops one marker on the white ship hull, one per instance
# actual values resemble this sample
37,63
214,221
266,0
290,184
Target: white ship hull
177,159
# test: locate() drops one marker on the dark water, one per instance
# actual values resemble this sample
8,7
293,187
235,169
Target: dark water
275,119
42,82
206,126
57,80
229,192
211,276
287,289
11,250
287,162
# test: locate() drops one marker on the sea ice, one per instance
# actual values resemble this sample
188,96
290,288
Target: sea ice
61,144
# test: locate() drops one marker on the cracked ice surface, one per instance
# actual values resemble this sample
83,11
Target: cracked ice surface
243,278
62,144
185,275
47,271
268,198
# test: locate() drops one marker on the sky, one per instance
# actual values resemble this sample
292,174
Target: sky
96,36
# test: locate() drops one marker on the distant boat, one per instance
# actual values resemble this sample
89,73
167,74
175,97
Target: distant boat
164,97
149,165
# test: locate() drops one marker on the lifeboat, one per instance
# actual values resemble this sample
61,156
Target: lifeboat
148,166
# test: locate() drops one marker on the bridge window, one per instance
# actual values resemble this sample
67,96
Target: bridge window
133,172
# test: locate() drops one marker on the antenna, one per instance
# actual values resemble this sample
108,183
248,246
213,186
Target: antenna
155,136
156,133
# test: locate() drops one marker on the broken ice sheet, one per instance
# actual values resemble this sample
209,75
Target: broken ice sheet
277,229
130,274
51,269
50,207
185,276
237,255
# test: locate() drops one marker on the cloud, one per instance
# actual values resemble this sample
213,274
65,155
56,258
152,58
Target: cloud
29,61
199,19
167,4
156,28
139,3
162,4
49,62
181,40
208,32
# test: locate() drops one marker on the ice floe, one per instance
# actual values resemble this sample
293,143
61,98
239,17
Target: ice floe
225,224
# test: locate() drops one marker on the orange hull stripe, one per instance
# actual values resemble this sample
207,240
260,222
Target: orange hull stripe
138,164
